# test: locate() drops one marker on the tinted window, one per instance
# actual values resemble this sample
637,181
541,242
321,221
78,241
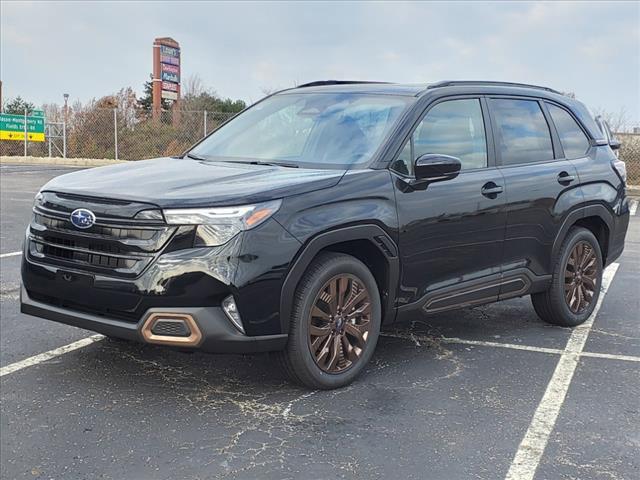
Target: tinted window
454,128
574,142
311,129
522,132
404,164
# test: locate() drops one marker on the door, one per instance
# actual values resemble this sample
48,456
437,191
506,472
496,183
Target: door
451,232
541,185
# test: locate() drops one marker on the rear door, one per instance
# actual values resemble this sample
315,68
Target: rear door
541,185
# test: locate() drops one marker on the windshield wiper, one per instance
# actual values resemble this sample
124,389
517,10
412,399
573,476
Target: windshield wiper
260,162
246,162
196,157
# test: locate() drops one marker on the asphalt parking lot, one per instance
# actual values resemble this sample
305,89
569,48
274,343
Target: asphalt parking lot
489,392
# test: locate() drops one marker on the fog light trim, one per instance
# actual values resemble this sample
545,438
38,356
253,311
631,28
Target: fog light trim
193,340
230,309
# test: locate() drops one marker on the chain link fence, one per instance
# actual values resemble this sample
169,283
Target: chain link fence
120,134
131,134
630,154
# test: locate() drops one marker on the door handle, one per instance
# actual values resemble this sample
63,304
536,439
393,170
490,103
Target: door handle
565,179
491,190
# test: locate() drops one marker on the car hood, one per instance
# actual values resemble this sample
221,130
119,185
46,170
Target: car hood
185,182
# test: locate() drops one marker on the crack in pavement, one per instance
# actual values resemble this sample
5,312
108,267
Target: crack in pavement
261,423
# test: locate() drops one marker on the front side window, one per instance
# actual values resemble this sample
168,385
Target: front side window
522,135
455,128
320,130
404,162
574,142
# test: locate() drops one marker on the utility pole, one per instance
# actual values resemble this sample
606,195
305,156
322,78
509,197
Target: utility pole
64,125
25,132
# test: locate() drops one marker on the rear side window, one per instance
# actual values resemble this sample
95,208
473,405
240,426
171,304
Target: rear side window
455,128
522,132
574,142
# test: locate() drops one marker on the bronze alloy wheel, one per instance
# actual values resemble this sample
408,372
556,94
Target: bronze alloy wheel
339,323
580,277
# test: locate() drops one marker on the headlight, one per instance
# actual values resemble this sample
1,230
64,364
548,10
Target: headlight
38,201
218,225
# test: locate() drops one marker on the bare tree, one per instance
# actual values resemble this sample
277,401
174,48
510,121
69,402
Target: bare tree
53,112
266,91
193,86
618,121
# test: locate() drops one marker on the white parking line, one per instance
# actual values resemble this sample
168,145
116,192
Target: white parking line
527,458
43,357
609,356
633,206
512,346
10,254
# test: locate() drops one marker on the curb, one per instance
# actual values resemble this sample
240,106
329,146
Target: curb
69,162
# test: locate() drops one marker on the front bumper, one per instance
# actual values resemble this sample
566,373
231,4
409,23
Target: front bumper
218,334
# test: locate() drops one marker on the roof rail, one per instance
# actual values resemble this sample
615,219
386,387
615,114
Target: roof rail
453,83
319,83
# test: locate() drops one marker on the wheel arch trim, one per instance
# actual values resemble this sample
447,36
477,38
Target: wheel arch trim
372,233
577,214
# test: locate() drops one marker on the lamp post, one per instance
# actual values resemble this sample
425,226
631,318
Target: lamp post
66,99
64,124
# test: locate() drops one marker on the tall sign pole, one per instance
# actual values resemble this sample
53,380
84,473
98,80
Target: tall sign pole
166,75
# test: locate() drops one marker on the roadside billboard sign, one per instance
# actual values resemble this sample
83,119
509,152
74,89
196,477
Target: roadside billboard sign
170,77
170,73
12,127
171,87
169,51
169,95
166,72
170,60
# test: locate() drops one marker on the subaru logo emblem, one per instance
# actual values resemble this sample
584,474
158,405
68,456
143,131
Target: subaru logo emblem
83,218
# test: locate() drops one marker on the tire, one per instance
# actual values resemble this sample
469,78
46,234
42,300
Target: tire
561,304
305,359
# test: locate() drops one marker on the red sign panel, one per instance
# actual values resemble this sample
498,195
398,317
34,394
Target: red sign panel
170,69
171,87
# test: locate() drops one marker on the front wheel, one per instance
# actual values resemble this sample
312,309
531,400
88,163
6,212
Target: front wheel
335,323
575,286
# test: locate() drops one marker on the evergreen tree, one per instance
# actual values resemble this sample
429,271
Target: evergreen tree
17,106
145,102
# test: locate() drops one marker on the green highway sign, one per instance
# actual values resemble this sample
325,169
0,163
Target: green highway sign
37,113
12,128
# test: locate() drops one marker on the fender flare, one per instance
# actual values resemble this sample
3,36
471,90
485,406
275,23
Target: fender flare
373,233
599,211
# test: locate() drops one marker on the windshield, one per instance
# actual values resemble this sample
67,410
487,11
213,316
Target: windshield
321,130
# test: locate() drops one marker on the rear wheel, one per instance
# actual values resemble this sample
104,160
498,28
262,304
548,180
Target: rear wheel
575,285
335,323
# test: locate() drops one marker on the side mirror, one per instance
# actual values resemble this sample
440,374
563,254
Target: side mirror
615,144
434,167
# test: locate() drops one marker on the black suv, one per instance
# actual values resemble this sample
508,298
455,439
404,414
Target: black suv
325,212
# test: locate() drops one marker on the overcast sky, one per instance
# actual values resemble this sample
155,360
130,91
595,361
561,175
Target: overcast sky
90,49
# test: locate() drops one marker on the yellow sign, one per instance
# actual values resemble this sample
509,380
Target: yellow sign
32,137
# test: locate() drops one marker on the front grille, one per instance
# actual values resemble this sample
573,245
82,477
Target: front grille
68,253
120,233
121,247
